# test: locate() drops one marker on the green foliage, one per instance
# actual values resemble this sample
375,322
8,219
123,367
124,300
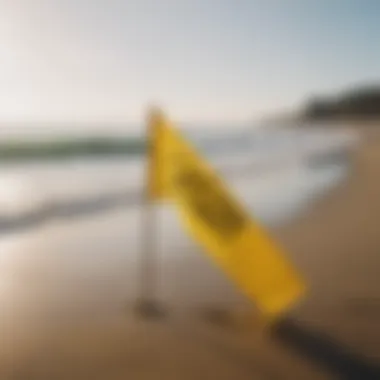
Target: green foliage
61,149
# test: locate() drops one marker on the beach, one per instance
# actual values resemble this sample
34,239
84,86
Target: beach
67,319
337,244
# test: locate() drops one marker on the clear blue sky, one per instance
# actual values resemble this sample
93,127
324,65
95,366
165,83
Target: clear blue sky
204,60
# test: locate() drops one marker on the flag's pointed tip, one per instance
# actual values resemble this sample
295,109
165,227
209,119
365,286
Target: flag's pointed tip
155,110
155,113
158,117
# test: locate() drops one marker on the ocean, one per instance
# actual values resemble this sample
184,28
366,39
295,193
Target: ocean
275,173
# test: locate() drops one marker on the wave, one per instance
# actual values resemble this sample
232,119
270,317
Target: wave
32,193
256,184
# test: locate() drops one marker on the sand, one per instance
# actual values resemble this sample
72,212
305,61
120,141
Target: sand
337,246
72,324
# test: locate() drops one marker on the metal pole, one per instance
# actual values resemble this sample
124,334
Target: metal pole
148,268
148,305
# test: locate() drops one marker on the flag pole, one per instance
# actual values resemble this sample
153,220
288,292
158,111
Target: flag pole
148,305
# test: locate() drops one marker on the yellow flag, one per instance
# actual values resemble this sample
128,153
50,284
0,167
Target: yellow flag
219,223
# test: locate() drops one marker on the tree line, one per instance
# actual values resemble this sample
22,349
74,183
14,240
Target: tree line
360,103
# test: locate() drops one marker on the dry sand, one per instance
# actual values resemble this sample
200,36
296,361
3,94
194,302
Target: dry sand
336,244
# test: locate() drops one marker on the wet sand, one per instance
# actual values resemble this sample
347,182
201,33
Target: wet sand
63,318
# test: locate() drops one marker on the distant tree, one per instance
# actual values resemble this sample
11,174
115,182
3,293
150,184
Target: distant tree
361,102
318,108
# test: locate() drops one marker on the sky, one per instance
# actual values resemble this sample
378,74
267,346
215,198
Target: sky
105,61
